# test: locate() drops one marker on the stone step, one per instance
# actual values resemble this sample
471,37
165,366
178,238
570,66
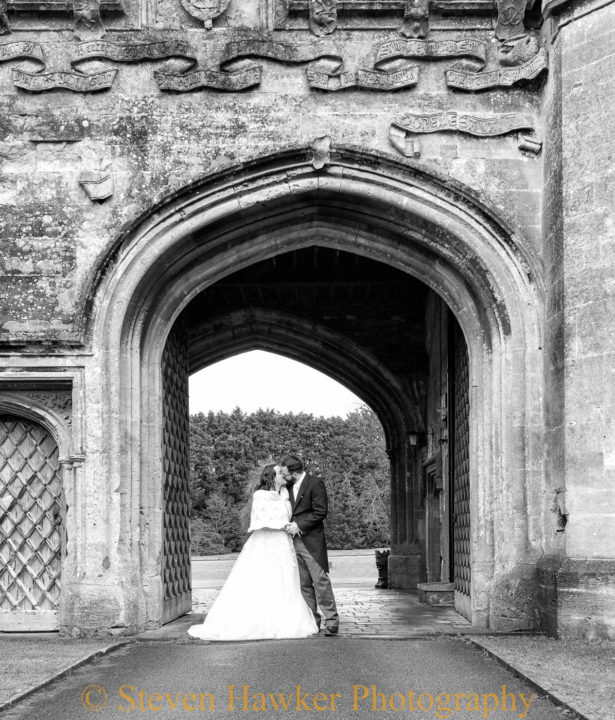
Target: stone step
436,593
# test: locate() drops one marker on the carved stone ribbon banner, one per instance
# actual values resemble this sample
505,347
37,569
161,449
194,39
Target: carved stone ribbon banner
503,77
135,52
205,78
453,121
386,76
78,81
412,124
75,81
326,68
22,51
227,78
430,48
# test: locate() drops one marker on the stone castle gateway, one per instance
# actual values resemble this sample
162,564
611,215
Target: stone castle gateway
414,197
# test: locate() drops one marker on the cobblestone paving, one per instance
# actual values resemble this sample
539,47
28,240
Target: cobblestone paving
371,612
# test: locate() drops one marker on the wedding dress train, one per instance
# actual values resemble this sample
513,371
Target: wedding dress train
261,598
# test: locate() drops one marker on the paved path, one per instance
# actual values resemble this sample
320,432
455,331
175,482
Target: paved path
349,568
357,678
363,612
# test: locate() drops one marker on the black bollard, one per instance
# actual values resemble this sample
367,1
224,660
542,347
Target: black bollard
382,565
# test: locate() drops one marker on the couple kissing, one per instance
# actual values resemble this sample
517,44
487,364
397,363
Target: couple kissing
280,580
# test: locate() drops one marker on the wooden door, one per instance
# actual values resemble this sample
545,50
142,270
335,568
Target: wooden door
31,526
176,576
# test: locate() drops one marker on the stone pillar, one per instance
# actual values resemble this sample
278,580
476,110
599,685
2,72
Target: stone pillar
577,576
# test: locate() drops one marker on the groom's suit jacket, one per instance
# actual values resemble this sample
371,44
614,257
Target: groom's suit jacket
309,510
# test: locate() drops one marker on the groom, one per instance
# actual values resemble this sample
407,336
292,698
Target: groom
308,497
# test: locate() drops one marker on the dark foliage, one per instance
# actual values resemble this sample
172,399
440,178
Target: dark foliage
228,449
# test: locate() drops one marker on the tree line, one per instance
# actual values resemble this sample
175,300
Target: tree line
228,450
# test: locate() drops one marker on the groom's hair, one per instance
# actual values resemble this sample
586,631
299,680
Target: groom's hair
293,463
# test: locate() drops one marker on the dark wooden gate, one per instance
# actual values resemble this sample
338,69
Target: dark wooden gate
31,526
176,495
460,468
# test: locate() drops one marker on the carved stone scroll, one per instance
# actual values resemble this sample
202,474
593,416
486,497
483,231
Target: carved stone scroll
326,74
75,81
326,66
453,121
503,77
205,78
390,80
135,52
22,50
416,19
387,75
205,10
323,16
278,50
403,132
392,49
510,19
5,27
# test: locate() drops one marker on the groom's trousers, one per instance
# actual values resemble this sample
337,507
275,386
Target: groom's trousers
315,585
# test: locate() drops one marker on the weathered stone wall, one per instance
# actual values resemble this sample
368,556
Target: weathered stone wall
580,218
154,143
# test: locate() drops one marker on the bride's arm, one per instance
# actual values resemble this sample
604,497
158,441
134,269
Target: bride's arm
268,512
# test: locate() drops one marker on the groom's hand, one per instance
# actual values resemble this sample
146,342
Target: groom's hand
293,529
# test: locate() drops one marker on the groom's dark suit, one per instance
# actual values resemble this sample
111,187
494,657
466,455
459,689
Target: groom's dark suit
309,509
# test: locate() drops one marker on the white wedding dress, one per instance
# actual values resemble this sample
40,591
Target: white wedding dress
261,597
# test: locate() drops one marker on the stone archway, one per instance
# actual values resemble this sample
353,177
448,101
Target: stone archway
374,207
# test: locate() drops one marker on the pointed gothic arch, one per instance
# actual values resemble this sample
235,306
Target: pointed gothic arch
368,204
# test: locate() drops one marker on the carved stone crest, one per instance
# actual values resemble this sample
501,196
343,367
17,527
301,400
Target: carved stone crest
517,51
510,19
416,19
205,10
323,16
88,22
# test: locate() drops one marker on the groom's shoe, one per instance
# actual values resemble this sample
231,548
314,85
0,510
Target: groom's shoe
331,629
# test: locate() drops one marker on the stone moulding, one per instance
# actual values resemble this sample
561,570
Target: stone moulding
60,7
387,14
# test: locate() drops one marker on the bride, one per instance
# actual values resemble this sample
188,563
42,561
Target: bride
261,597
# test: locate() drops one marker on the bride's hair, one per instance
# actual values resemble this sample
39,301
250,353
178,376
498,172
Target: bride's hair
267,478
264,481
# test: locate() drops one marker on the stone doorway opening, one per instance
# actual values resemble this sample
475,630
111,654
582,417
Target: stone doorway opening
386,336
181,270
